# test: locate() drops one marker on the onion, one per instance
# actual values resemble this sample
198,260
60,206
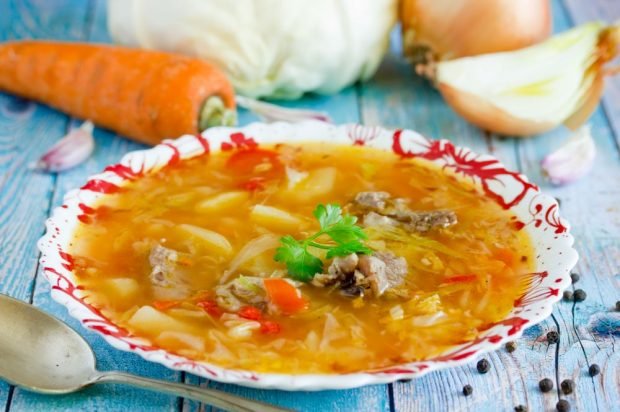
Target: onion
252,249
457,28
535,89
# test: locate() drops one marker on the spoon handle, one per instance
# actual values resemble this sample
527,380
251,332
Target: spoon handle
212,397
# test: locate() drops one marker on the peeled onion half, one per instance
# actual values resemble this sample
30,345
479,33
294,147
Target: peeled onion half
532,90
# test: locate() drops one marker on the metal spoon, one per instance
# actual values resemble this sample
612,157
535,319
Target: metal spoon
42,354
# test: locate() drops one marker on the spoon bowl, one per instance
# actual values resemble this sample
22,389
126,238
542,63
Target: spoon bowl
42,354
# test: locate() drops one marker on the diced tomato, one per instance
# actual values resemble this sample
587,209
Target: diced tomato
245,161
269,327
253,184
250,312
165,304
284,295
460,279
210,306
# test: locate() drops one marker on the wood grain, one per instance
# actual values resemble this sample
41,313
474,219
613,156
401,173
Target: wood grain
393,98
107,397
25,130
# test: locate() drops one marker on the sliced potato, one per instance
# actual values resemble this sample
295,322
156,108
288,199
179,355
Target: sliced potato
320,182
211,240
274,218
183,340
122,289
222,201
150,320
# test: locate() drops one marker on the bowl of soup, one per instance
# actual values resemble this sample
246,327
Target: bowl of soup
307,256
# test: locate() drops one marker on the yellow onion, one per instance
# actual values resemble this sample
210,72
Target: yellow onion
535,89
455,28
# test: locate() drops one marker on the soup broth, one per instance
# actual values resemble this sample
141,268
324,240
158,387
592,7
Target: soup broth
185,258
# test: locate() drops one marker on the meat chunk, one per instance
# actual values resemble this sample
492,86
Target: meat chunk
372,200
424,221
357,275
395,267
241,291
375,219
346,264
379,209
374,270
163,263
337,271
168,276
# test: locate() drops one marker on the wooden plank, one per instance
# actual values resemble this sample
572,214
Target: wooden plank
514,377
343,108
590,205
580,11
109,149
25,130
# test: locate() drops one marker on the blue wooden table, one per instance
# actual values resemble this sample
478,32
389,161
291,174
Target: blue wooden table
589,331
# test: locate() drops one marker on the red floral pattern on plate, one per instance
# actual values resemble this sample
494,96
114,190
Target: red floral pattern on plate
534,212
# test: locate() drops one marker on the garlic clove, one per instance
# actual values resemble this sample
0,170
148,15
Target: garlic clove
572,160
273,113
74,148
535,89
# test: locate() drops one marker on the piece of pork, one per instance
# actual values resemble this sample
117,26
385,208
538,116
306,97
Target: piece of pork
337,271
379,209
168,279
424,221
357,275
384,270
241,291
372,200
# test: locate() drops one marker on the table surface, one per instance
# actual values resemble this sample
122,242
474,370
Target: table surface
589,331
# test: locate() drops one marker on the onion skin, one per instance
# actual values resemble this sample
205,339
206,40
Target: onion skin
488,116
458,28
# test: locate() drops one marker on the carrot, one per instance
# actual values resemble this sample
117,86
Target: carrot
284,295
459,279
144,95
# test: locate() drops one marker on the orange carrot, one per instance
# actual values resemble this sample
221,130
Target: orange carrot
284,295
144,95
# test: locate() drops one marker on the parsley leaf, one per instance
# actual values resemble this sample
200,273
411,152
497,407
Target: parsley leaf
348,248
328,215
345,237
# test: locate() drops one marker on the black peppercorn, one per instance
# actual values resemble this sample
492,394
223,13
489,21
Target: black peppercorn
594,369
579,295
467,390
562,405
553,337
483,366
568,386
511,346
545,385
568,295
575,277
520,408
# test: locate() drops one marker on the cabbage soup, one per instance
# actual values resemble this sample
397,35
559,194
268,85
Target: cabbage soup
308,258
